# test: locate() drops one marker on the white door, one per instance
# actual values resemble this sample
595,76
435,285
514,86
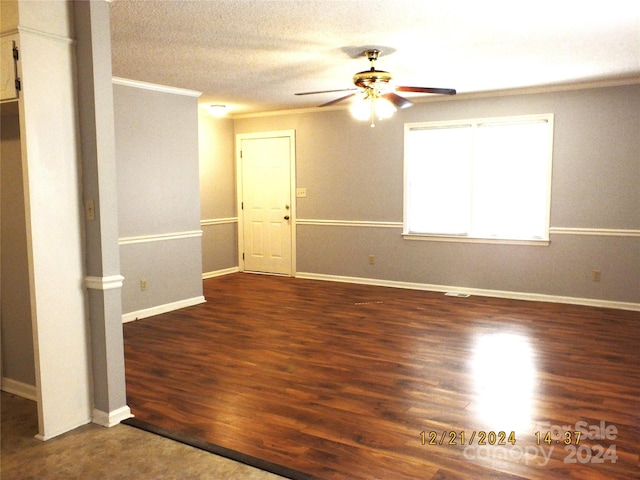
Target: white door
266,166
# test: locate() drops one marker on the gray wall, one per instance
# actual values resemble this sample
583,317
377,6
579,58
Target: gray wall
217,194
158,195
17,334
354,172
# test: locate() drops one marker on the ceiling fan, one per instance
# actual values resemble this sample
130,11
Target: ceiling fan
374,85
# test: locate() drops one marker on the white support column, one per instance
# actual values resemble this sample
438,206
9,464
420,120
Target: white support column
104,282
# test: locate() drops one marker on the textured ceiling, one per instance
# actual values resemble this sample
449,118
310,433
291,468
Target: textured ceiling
254,55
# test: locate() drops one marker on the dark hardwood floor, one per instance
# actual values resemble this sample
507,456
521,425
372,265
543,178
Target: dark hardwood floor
342,381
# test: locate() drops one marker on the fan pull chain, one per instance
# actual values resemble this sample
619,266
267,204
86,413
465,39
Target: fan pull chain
373,111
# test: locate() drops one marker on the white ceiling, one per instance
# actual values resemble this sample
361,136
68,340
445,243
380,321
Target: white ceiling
253,55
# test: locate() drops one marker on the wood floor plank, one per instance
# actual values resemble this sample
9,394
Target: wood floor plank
339,380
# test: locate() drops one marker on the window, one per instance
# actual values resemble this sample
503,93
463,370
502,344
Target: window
484,179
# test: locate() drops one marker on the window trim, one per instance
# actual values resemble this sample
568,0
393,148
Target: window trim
475,123
543,242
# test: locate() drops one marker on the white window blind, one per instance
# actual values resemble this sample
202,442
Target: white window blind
481,178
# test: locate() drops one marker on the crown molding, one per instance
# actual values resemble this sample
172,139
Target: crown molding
551,88
155,87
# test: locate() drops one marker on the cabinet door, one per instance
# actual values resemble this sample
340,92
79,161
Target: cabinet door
7,70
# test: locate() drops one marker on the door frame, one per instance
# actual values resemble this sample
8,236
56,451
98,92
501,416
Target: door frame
291,135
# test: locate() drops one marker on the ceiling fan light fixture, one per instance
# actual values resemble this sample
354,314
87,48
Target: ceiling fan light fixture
372,106
383,108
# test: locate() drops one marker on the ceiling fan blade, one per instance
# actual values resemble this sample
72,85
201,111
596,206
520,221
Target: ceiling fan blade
333,102
397,100
440,91
326,91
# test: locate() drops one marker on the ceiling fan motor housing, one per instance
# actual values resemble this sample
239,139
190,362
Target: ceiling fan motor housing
371,79
377,83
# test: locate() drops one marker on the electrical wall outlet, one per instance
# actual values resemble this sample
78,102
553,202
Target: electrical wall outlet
372,259
595,275
143,285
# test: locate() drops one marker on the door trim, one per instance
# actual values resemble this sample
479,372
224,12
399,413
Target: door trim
291,135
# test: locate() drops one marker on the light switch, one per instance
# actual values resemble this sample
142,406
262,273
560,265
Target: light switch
301,192
89,210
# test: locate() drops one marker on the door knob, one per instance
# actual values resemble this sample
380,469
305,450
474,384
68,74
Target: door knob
286,217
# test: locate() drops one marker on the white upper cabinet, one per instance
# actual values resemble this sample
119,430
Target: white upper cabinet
8,90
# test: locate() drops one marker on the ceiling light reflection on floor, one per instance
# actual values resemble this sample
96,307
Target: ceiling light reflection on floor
504,372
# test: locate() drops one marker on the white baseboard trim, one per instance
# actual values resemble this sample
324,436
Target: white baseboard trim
535,297
220,273
110,419
158,309
20,389
104,283
57,433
